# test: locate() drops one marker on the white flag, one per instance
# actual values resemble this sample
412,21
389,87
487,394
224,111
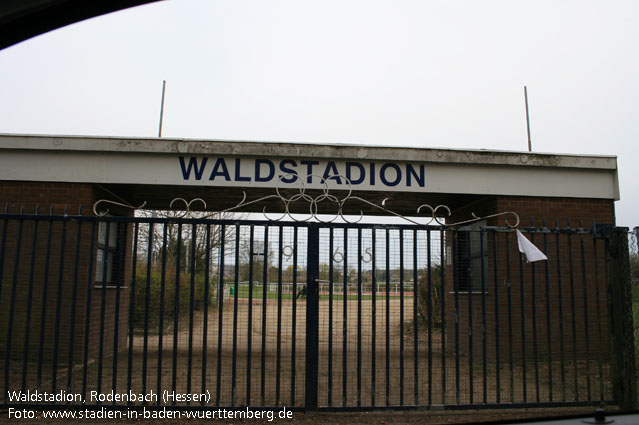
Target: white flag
526,247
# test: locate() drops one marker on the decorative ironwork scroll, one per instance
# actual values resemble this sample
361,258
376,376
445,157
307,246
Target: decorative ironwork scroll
436,214
103,212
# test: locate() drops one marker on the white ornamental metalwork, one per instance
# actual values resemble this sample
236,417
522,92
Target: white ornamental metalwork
436,214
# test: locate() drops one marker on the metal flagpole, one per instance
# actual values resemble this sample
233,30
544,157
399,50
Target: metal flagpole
162,108
527,118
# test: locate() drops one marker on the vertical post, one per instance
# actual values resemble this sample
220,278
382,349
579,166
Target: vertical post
359,317
345,342
161,313
330,317
162,108
623,358
312,312
220,311
527,117
294,317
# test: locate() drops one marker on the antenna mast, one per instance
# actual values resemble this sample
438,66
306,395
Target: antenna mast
162,108
527,118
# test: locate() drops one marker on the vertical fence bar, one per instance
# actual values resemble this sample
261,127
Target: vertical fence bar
45,287
105,261
27,327
359,317
586,310
191,308
58,307
16,269
561,313
469,274
510,320
264,285
249,339
442,255
120,283
482,239
401,317
456,290
294,317
278,366
235,314
330,317
548,322
533,289
134,256
118,289
176,309
416,324
497,340
345,321
87,314
161,314
429,298
312,310
3,246
207,300
573,315
523,328
220,312
387,327
599,332
373,318
608,270
147,302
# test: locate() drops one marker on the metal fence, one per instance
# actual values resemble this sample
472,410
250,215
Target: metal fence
633,279
122,311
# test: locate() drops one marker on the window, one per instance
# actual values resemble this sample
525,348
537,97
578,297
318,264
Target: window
470,255
107,256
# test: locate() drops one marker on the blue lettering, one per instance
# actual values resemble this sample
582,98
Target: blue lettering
398,174
224,173
309,169
410,173
186,170
331,172
284,169
239,178
362,172
258,167
372,174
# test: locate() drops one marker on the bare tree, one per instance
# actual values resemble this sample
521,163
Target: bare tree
192,244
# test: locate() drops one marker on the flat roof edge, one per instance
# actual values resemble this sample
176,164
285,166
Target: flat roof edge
295,149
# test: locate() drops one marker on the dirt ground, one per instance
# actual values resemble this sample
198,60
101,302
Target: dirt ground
265,365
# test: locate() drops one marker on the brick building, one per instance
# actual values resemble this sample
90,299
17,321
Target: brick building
64,174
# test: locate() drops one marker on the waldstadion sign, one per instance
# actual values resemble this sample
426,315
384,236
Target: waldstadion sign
269,172
249,165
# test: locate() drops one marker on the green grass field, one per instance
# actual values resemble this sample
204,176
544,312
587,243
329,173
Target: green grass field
287,295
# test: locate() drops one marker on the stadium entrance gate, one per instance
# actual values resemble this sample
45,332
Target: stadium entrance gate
217,312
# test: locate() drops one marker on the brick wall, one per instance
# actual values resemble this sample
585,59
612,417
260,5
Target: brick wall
31,194
545,308
55,260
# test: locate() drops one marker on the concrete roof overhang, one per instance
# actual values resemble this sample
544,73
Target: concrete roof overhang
137,170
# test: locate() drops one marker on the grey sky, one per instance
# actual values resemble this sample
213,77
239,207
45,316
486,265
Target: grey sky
408,73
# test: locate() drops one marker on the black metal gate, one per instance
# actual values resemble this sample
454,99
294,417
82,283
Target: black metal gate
121,311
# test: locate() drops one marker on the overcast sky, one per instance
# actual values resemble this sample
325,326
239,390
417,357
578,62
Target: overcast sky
404,73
